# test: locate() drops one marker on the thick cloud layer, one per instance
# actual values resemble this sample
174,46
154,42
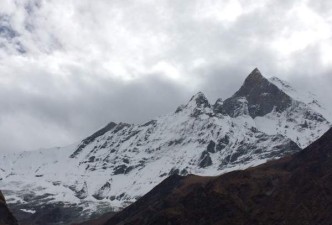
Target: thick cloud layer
67,67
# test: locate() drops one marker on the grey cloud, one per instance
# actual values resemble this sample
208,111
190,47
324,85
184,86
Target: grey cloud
81,114
90,63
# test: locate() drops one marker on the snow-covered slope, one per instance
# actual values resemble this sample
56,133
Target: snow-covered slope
121,162
307,97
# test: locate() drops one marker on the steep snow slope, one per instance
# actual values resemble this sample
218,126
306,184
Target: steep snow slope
309,98
121,162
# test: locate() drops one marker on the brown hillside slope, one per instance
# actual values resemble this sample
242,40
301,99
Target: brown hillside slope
6,217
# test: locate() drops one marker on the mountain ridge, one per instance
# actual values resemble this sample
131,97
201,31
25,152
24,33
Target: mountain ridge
292,190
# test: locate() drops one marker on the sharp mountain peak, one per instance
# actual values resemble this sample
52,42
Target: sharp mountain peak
262,96
255,74
253,81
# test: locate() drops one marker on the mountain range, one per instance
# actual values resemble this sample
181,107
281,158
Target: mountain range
265,119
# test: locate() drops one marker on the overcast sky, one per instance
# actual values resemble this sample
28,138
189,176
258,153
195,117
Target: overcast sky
68,67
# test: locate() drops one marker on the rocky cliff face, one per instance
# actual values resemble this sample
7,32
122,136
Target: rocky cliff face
260,96
6,217
294,190
118,164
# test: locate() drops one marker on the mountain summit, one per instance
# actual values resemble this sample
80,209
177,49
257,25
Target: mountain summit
197,105
118,164
254,76
199,100
261,95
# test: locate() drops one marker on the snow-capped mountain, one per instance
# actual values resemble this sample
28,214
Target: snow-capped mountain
121,162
